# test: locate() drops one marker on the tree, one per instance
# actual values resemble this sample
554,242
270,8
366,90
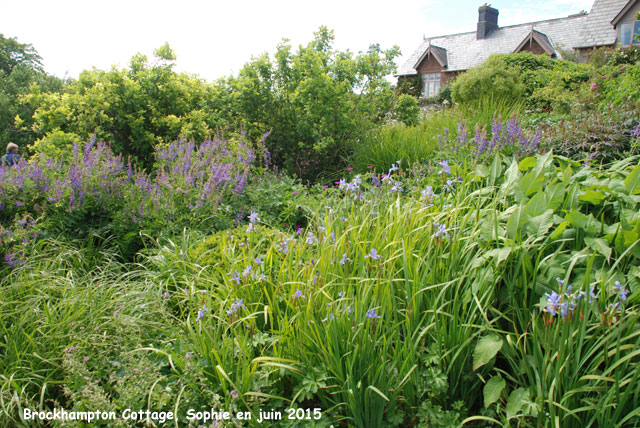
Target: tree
20,70
134,109
316,102
13,54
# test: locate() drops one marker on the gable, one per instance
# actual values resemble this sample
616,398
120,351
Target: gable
628,13
429,64
537,43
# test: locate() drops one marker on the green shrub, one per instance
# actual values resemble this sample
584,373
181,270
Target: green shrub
407,110
409,85
618,85
494,78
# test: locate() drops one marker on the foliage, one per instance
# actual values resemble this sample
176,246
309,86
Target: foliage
449,133
97,193
596,135
407,110
444,94
20,69
541,82
14,54
316,102
491,79
620,57
617,85
410,85
426,296
135,109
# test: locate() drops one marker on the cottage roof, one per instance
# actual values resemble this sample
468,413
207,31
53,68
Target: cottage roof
465,50
598,30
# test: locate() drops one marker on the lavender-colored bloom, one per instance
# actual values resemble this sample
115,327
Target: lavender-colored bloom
441,230
636,131
201,312
373,254
22,222
235,277
343,184
462,134
428,192
235,307
553,302
253,217
298,295
345,259
247,271
480,140
445,167
310,239
258,260
622,292
372,314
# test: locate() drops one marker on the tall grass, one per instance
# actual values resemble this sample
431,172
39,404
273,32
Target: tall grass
432,137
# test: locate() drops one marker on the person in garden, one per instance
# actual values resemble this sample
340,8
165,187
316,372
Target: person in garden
12,157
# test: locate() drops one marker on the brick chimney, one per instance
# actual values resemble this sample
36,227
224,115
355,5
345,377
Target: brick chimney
487,20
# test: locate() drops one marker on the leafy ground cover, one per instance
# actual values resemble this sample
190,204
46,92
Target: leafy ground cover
424,295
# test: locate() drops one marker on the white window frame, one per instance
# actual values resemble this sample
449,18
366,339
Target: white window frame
430,84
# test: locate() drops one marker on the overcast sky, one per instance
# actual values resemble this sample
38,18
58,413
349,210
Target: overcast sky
214,38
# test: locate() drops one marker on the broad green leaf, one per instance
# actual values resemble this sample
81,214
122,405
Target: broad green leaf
536,205
554,195
485,350
527,163
516,222
598,244
482,171
577,219
500,254
532,182
512,177
559,230
495,169
492,390
515,402
632,182
540,225
594,197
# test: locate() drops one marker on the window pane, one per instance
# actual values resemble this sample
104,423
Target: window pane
625,33
636,33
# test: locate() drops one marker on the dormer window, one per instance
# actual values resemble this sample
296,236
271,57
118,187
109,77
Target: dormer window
629,33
